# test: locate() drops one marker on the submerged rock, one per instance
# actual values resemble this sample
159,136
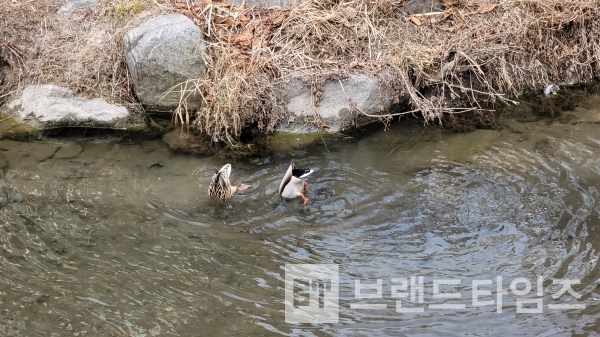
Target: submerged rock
39,151
189,142
423,6
343,104
69,151
3,164
42,107
282,143
162,53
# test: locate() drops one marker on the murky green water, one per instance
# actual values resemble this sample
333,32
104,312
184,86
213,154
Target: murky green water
119,239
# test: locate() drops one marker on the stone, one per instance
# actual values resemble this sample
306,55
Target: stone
68,151
423,6
343,104
47,106
3,163
189,142
284,142
69,6
162,53
42,152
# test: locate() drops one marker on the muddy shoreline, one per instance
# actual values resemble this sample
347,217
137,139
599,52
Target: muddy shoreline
185,140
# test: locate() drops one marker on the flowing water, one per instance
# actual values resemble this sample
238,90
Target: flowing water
114,238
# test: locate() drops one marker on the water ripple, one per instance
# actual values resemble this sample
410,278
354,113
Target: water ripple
109,244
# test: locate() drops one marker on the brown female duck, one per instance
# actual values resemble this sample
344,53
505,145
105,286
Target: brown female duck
220,187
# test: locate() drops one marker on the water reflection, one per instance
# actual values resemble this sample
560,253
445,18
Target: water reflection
99,238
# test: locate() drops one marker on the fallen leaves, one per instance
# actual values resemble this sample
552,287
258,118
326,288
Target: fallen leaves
243,27
450,3
446,15
257,29
415,20
181,5
246,35
187,10
278,19
486,8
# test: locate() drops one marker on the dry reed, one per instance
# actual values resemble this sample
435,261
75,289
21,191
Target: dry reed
470,53
82,51
447,62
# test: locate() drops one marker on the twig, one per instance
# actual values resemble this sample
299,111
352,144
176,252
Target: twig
428,14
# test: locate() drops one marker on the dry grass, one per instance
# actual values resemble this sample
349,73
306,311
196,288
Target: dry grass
83,51
473,52
241,94
241,68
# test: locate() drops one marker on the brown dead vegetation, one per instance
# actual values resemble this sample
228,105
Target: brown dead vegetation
470,54
82,51
453,61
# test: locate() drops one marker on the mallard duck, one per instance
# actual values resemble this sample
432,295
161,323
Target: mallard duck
292,185
220,187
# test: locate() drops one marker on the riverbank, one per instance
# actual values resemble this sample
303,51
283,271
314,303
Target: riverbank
459,61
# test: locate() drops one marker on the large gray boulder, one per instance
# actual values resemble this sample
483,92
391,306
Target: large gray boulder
344,104
162,53
42,107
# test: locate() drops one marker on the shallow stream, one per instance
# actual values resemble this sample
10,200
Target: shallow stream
104,237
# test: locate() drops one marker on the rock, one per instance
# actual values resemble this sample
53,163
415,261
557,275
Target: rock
423,6
335,110
42,107
192,142
283,4
23,154
514,126
189,142
38,151
162,53
3,164
71,5
13,129
12,195
283,142
42,151
69,151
